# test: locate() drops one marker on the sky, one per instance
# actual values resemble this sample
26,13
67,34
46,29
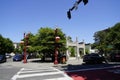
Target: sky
19,16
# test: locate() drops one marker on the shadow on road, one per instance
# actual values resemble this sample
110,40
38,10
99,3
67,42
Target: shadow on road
93,72
102,74
39,61
71,67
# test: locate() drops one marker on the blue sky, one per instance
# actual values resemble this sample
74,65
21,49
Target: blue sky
19,16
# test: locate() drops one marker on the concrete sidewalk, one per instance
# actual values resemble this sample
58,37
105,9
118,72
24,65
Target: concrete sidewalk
74,61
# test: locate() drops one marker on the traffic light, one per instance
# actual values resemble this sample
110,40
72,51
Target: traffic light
69,14
85,2
75,7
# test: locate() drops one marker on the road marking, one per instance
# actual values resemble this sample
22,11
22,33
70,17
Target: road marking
67,77
36,70
37,74
16,75
40,72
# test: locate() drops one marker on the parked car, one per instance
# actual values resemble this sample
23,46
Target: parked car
114,57
49,57
8,55
3,58
93,58
17,57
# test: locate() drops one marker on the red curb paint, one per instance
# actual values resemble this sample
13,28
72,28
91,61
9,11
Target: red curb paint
103,74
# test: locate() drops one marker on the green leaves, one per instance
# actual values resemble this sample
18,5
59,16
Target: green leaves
108,37
6,45
44,40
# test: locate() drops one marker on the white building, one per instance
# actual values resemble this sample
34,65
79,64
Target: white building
77,46
16,44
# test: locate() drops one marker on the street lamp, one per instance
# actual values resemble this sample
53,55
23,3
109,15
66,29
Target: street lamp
57,38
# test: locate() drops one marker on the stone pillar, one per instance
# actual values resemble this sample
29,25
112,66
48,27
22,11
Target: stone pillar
84,47
77,47
67,52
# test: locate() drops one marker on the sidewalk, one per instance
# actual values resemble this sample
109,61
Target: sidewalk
74,61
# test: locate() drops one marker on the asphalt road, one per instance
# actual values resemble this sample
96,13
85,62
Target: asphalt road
47,71
30,71
6,72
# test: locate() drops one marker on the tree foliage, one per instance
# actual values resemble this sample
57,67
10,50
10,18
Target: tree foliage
6,45
44,41
69,39
108,39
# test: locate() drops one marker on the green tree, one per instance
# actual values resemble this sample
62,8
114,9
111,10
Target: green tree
72,50
6,45
108,39
44,41
115,36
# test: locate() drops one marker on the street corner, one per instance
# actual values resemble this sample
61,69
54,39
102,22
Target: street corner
96,74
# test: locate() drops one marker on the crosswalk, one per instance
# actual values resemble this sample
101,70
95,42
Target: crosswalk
43,73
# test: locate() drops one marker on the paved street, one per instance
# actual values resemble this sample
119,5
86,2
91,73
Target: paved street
73,70
7,72
43,73
33,70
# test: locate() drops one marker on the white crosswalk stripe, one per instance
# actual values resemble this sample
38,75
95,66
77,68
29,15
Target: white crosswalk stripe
44,73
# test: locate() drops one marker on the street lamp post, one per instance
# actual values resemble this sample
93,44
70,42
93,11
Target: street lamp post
57,38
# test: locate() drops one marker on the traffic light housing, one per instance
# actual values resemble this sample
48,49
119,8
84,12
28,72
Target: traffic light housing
75,6
69,14
85,2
